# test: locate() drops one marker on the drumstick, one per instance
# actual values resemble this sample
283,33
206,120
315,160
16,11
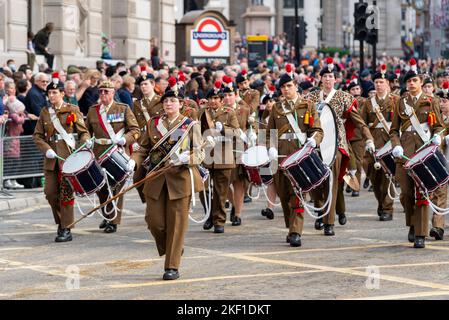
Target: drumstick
149,177
406,158
60,158
81,147
430,141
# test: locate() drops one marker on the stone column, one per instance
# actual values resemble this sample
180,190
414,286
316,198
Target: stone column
258,20
13,31
130,29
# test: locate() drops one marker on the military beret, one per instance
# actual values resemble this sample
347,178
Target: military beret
106,85
217,90
55,84
413,72
73,70
241,77
443,93
171,93
285,78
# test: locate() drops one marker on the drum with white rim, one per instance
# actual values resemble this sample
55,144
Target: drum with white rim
386,159
257,165
428,168
305,169
115,161
83,173
329,144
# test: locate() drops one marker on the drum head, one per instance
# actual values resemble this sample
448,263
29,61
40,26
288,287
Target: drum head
385,149
296,156
421,156
329,145
77,162
255,157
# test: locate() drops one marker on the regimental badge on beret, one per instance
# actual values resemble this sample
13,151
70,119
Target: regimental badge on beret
106,85
55,83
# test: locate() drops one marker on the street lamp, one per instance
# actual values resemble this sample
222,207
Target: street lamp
345,30
318,26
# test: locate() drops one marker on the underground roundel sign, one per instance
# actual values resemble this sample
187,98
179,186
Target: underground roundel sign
209,39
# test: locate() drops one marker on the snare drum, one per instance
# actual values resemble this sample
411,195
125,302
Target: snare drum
428,168
305,169
386,159
115,161
83,173
257,166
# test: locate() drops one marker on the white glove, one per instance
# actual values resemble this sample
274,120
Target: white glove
135,147
251,120
446,138
50,154
131,165
121,141
219,126
370,147
398,152
273,154
184,157
436,140
311,142
211,141
252,136
89,143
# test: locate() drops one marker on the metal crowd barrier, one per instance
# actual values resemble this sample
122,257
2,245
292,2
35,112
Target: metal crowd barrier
3,194
28,163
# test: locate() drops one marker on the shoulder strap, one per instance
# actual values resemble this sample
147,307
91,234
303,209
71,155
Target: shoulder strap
68,138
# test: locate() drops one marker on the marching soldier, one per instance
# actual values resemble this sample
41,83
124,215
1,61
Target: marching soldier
357,144
377,112
145,109
172,140
220,121
246,135
439,197
268,102
250,96
111,123
54,137
415,120
293,118
345,107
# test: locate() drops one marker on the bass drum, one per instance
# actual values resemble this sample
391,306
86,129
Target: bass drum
329,145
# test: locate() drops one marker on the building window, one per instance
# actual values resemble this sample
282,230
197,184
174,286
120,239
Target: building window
290,4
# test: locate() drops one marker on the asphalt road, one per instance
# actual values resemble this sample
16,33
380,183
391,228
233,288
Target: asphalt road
367,259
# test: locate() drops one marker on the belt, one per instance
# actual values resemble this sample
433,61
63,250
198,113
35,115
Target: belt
424,126
57,137
288,136
103,142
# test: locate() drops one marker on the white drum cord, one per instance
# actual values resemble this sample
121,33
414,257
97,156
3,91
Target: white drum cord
207,200
264,189
114,203
258,192
391,184
439,211
308,207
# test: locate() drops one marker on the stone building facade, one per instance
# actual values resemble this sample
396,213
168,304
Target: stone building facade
79,25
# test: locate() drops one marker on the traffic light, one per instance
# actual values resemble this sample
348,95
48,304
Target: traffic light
302,33
371,37
360,17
